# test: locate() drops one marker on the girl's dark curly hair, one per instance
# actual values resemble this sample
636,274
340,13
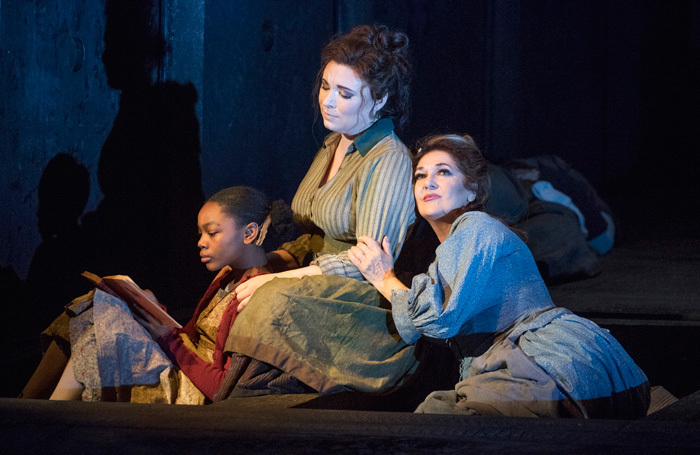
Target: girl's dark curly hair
249,205
380,58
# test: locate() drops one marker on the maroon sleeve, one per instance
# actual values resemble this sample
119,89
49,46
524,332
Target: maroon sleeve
206,376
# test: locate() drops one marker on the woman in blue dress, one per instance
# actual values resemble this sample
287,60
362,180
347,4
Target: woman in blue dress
519,354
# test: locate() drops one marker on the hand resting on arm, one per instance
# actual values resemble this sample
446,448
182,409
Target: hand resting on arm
376,264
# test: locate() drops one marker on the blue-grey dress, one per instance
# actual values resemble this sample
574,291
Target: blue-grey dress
519,354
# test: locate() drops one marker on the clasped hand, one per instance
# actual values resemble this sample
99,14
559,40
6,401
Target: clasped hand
375,262
246,289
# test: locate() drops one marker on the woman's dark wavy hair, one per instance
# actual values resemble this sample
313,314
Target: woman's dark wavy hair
467,157
380,58
249,205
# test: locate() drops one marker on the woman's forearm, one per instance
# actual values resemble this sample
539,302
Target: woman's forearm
300,272
387,284
245,290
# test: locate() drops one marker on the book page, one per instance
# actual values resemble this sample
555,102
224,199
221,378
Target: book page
126,289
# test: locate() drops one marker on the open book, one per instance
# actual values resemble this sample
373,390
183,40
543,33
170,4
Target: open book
126,289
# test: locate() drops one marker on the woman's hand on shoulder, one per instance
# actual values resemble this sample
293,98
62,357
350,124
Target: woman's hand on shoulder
246,289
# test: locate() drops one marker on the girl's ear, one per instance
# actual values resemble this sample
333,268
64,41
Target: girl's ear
250,233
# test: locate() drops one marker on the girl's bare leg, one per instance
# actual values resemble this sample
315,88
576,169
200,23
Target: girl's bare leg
47,374
68,387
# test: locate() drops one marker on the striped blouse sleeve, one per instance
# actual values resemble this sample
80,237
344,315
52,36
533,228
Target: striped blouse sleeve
385,207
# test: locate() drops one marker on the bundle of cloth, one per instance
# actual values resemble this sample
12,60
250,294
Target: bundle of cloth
566,223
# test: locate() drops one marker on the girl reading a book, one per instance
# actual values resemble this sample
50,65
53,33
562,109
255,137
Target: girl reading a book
117,354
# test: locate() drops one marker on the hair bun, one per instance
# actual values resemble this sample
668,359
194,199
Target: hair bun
281,228
388,41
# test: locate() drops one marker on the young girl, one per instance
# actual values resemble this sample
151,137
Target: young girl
114,357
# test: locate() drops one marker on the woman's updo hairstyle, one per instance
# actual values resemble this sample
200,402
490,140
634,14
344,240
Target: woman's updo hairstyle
249,205
468,159
380,58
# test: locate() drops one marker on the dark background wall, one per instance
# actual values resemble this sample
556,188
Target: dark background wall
610,86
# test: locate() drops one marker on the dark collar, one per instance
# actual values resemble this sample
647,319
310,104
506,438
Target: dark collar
367,140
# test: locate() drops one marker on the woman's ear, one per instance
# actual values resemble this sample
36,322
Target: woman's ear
379,104
250,233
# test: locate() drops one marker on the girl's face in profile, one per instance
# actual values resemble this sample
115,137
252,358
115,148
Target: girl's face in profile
221,238
439,187
345,102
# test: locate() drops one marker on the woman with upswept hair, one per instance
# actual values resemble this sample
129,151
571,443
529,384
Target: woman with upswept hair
318,319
